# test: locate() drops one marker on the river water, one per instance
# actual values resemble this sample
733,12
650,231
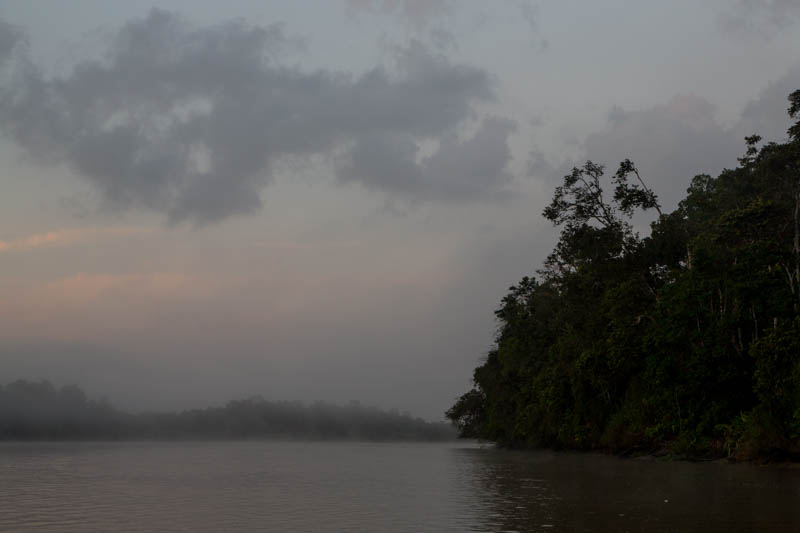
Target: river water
393,487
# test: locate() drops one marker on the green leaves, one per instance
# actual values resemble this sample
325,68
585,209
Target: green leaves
685,340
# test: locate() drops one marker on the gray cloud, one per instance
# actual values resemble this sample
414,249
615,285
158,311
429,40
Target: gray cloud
443,39
538,165
673,142
189,122
767,114
529,12
759,17
418,12
10,37
669,143
460,170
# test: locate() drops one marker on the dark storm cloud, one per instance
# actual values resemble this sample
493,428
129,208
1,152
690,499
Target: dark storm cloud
188,122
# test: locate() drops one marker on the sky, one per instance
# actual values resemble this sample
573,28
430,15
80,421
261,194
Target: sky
326,200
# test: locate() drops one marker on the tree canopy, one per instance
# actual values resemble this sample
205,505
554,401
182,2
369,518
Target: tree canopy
685,341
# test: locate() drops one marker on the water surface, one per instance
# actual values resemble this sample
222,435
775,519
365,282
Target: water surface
346,486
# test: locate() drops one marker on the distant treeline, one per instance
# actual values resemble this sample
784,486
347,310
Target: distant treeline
38,411
686,341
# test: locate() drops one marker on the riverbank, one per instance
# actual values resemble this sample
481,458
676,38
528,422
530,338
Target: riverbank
663,454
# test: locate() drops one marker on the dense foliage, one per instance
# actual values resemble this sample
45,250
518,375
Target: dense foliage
30,410
686,341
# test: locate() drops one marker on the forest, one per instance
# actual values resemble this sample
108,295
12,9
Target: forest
684,342
40,411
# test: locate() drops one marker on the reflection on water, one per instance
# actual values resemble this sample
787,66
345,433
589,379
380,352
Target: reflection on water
290,486
542,491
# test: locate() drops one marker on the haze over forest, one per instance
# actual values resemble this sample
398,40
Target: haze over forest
42,411
327,200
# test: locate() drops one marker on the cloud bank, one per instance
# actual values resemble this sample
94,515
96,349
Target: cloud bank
191,122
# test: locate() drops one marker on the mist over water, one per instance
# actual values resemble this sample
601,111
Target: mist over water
391,487
251,254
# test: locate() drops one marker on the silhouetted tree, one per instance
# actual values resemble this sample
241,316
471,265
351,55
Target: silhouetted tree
684,340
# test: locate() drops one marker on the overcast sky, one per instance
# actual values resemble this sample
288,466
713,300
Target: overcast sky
326,200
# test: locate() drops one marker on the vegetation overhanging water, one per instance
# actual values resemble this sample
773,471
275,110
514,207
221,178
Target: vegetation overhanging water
684,342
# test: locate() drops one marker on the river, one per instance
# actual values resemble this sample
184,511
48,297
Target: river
387,487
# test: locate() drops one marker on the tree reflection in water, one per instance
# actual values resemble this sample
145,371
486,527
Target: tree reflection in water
504,490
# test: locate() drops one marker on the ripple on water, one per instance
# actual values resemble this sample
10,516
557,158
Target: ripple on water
285,486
